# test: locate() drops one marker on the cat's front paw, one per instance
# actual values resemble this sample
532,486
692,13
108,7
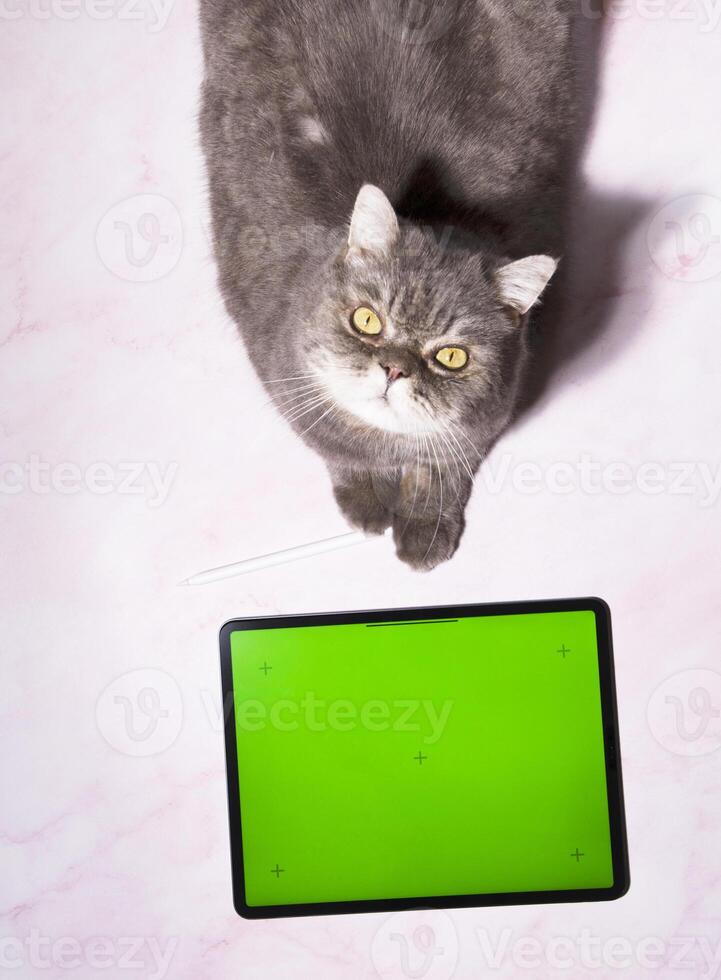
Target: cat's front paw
362,509
424,545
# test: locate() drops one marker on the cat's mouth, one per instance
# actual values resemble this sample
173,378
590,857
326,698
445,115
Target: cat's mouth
386,411
379,402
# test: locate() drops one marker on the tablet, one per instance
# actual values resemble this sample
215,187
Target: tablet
423,758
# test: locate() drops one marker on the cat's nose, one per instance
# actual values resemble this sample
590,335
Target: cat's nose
393,372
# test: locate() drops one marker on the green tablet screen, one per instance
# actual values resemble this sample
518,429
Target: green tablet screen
420,758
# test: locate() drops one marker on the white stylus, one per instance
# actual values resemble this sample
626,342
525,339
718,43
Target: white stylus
278,558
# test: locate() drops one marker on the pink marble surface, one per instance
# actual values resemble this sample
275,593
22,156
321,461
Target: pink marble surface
135,452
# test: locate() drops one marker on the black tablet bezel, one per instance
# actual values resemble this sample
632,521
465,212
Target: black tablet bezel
619,849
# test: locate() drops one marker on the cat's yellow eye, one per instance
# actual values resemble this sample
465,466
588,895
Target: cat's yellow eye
452,358
366,321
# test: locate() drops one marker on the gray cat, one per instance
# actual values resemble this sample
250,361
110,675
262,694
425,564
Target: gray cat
386,196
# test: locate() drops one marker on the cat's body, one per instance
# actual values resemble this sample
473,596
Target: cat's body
465,124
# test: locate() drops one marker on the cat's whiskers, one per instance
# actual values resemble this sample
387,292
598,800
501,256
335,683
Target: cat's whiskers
458,453
289,389
424,436
289,414
444,422
282,404
295,377
305,377
462,456
307,398
417,469
440,500
442,444
470,442
296,393
302,400
299,394
448,454
299,411
454,458
333,408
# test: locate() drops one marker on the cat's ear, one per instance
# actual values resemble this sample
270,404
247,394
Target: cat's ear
373,224
521,283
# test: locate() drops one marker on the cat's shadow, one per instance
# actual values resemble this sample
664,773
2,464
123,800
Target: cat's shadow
579,310
579,307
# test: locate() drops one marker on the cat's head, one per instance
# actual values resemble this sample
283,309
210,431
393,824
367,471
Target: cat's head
412,336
